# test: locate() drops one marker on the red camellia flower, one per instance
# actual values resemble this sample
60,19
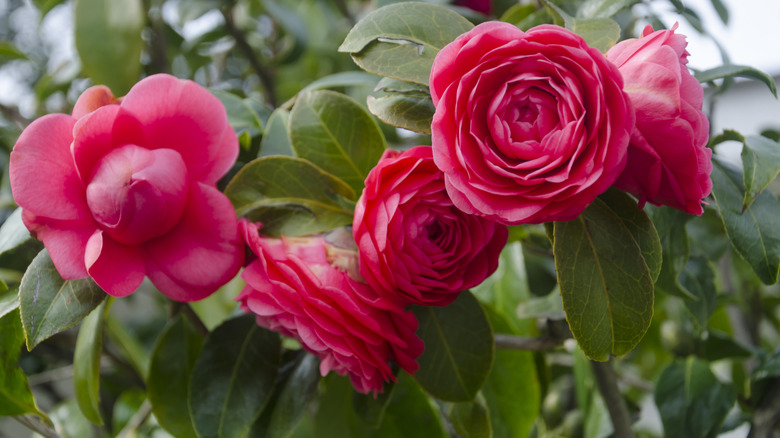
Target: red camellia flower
295,288
413,243
529,126
668,161
125,188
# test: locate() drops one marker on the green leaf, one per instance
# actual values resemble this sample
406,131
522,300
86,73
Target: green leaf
9,300
731,71
761,165
108,40
753,233
244,115
295,396
601,33
8,52
471,419
17,246
691,401
605,283
549,306
410,413
233,378
513,373
16,398
458,349
276,140
718,345
401,40
170,372
86,364
46,5
639,225
602,8
50,304
336,134
726,135
342,79
129,345
698,278
722,11
403,104
290,196
670,224
371,409
296,35
335,417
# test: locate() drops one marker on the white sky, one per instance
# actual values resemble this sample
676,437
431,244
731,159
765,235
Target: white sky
751,38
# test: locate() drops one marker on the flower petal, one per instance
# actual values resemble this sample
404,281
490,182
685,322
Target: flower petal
199,254
91,99
65,241
43,178
117,269
181,115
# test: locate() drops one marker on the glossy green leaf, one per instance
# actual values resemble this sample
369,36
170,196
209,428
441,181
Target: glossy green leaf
170,373
9,300
233,378
699,279
718,345
458,349
670,224
403,104
244,114
601,33
336,134
602,8
108,40
722,10
726,135
17,246
605,283
753,233
410,413
343,79
639,225
50,304
335,417
294,399
731,71
290,196
371,408
708,236
128,344
86,364
401,40
276,140
471,419
16,398
512,390
517,13
761,165
691,400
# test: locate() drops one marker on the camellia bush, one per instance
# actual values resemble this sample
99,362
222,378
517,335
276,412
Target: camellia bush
294,218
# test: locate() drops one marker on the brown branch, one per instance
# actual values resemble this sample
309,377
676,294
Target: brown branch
36,425
606,379
510,342
265,75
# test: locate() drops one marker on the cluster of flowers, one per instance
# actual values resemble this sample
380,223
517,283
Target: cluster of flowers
529,127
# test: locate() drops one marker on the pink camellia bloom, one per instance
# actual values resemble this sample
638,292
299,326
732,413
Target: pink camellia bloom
529,126
413,243
668,161
126,188
300,287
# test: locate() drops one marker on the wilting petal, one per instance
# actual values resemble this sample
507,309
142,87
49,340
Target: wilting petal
201,253
181,115
117,269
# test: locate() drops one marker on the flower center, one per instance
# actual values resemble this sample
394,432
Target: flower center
136,194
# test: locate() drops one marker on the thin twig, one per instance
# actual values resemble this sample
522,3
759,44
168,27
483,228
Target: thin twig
49,376
137,420
266,76
36,425
606,379
510,342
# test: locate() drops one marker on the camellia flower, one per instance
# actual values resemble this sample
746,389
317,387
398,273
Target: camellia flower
413,242
668,161
125,188
300,287
529,126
